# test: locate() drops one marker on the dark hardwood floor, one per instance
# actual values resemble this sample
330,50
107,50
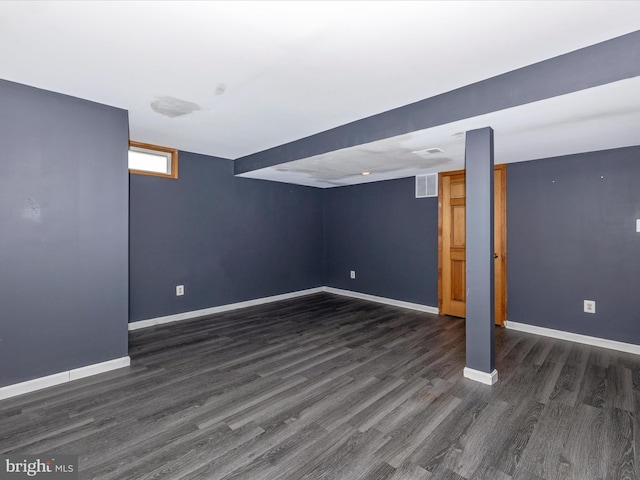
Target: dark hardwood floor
326,387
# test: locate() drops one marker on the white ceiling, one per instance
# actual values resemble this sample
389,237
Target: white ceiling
253,75
588,120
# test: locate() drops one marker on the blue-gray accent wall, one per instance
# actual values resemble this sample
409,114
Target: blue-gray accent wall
226,239
387,236
571,237
63,233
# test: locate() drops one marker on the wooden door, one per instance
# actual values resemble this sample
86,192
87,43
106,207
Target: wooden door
452,243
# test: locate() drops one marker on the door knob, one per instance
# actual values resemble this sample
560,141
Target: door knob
495,255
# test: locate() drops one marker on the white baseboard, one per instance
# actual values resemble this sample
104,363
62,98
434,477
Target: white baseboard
482,377
259,301
219,309
388,301
574,337
96,368
62,377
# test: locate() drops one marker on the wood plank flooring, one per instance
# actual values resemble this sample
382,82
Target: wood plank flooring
327,387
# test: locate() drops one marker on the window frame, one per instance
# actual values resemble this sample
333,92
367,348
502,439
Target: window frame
157,148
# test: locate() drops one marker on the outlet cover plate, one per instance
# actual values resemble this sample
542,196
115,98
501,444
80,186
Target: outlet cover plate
352,274
179,290
590,306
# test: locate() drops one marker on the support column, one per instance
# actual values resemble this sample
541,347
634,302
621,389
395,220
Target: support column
480,364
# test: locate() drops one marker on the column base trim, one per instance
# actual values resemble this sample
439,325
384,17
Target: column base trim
482,377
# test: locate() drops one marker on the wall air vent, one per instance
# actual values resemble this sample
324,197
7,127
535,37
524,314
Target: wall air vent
427,185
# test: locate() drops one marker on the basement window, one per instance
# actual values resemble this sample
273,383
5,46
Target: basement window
147,159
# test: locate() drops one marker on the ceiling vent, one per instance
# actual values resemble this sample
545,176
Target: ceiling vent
427,185
427,151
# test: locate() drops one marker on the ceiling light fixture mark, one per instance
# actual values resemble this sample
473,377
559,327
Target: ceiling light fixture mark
173,107
427,151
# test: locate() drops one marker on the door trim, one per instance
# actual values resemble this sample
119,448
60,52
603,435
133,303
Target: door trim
500,218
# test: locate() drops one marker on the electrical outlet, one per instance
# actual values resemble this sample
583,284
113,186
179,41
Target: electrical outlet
352,274
179,290
590,306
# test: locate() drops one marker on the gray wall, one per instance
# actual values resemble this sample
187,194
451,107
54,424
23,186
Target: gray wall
226,239
63,233
571,237
387,236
